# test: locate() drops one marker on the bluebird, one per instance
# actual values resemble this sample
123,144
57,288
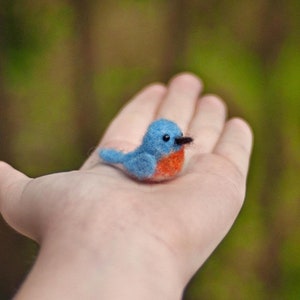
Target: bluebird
159,157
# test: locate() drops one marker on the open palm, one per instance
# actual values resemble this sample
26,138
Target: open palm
186,217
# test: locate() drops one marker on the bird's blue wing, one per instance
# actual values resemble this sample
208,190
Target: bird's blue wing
140,165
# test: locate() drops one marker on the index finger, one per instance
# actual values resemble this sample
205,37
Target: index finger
129,126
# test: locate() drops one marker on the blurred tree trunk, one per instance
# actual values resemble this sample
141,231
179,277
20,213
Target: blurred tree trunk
86,108
12,254
14,260
6,128
175,38
273,31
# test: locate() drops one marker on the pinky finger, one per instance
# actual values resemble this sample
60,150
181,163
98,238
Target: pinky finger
235,144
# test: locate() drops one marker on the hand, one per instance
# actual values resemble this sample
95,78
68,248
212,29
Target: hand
104,235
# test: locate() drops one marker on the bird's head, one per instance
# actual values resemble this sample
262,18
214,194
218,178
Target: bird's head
164,137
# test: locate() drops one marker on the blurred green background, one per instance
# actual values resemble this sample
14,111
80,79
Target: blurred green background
66,67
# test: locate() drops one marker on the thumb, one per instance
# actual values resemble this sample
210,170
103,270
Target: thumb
12,184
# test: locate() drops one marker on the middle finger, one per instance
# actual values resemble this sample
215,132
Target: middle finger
180,101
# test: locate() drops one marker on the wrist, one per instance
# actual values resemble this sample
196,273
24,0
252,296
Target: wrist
128,269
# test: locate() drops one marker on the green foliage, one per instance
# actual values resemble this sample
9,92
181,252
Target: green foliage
28,31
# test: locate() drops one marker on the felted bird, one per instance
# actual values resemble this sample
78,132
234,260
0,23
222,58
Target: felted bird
159,157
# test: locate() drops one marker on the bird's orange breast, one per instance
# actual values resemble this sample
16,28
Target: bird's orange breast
169,165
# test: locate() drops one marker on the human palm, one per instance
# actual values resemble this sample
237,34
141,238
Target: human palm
185,217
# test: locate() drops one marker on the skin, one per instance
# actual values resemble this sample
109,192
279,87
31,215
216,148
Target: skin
103,235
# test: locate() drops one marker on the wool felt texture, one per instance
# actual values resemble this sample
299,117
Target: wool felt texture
159,157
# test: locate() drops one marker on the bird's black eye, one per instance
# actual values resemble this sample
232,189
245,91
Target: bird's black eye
166,138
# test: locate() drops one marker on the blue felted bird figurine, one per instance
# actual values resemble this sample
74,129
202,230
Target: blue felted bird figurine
159,157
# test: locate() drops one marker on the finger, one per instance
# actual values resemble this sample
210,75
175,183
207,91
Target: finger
235,144
207,124
180,100
132,122
12,183
129,126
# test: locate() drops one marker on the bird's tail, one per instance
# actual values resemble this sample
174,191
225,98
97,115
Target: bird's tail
111,156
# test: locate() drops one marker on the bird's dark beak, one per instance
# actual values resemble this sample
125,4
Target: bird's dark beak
182,140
